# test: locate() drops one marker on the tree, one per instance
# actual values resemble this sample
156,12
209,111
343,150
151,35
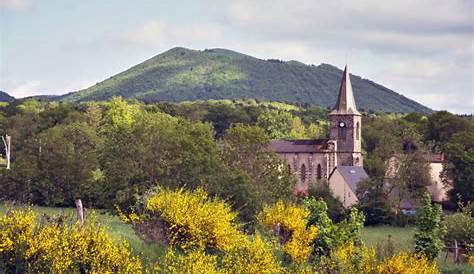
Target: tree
429,229
264,177
332,236
459,169
143,149
279,124
442,125
58,164
412,176
373,202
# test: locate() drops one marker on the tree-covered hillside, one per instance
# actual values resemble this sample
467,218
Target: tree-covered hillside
182,74
5,97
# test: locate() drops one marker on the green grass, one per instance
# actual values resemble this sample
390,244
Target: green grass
402,239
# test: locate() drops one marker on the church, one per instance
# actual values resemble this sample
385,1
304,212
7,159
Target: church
337,160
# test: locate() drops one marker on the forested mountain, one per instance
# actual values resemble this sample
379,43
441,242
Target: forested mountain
182,74
5,97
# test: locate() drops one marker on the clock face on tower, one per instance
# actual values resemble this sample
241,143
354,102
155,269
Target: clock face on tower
342,124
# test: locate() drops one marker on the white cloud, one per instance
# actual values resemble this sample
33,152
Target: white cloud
25,89
158,33
14,5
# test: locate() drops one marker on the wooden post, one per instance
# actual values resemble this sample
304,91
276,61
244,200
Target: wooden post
80,211
456,252
7,143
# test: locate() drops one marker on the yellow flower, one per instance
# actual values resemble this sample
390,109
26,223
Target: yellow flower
404,263
194,220
290,220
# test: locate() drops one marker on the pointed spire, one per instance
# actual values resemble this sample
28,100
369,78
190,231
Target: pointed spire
345,101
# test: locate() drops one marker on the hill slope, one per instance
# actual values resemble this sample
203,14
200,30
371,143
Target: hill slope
5,97
183,74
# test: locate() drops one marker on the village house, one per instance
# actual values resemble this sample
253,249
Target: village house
338,160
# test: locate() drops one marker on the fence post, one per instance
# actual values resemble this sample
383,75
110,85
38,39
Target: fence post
80,211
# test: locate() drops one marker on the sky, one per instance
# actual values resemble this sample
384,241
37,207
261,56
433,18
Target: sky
422,49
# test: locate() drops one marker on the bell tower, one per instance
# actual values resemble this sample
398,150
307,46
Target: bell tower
345,125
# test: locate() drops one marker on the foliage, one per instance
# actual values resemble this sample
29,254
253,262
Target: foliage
460,227
407,264
360,259
430,230
181,74
459,170
331,235
58,163
373,202
289,222
321,190
256,256
255,175
195,261
60,247
253,257
349,259
194,220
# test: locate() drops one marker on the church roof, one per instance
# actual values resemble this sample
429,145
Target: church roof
352,175
301,146
345,101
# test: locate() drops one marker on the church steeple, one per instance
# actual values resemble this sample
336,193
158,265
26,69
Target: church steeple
345,125
345,102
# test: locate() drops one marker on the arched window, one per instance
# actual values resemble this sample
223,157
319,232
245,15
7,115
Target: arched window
342,132
357,131
303,173
319,172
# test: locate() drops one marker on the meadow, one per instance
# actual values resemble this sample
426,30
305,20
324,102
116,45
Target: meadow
401,237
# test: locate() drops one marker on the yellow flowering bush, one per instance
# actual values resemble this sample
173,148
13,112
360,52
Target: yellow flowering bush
290,223
60,247
349,259
194,261
252,257
195,220
16,228
353,259
404,263
255,256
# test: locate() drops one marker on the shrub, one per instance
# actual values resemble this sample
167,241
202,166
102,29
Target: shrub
404,263
290,223
192,219
349,259
332,236
430,229
255,256
196,261
460,227
60,247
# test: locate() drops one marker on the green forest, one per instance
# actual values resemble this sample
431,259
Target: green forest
182,74
136,159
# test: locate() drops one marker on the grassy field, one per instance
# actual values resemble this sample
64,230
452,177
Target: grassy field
401,237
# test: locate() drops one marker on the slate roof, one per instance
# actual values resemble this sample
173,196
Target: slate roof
352,175
298,146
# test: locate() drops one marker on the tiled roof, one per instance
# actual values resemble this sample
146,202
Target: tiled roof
352,175
301,146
